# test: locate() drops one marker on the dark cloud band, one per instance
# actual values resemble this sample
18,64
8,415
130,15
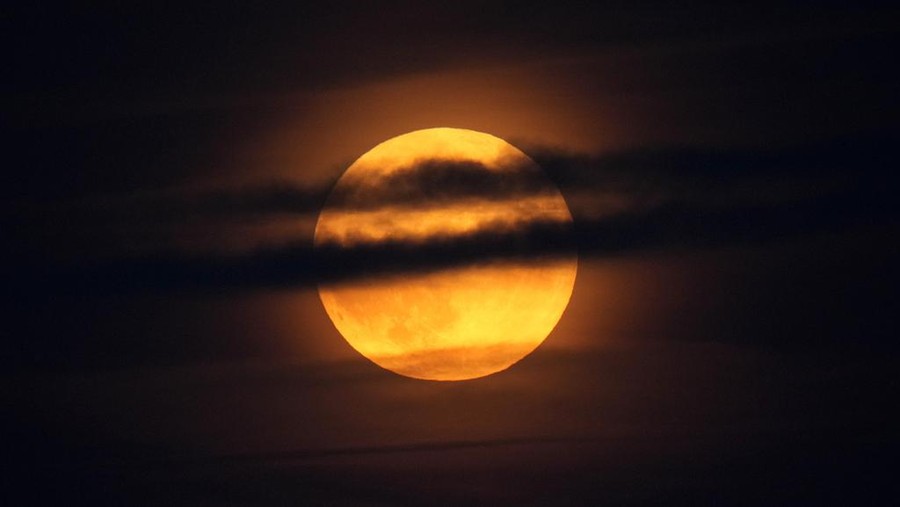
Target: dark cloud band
834,187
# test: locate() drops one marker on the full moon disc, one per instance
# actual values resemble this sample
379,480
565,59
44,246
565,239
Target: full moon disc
457,322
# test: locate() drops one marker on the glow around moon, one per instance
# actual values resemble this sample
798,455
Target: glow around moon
452,324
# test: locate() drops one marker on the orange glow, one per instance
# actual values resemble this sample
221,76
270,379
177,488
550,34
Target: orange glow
458,323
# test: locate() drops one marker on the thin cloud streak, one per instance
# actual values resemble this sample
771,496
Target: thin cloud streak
423,447
643,171
667,171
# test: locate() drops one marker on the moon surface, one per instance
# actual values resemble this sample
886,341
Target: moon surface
455,323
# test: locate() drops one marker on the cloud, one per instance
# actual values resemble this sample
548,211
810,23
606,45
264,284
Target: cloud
670,198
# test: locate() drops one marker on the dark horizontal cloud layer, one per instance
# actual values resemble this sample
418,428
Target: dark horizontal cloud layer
674,198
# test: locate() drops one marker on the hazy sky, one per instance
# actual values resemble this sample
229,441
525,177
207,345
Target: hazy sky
731,333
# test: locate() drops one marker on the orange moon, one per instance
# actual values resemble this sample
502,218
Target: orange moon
456,323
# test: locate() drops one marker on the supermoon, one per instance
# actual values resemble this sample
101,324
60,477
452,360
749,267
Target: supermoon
456,323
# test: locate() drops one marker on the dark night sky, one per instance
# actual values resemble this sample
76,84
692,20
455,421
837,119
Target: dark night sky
730,338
